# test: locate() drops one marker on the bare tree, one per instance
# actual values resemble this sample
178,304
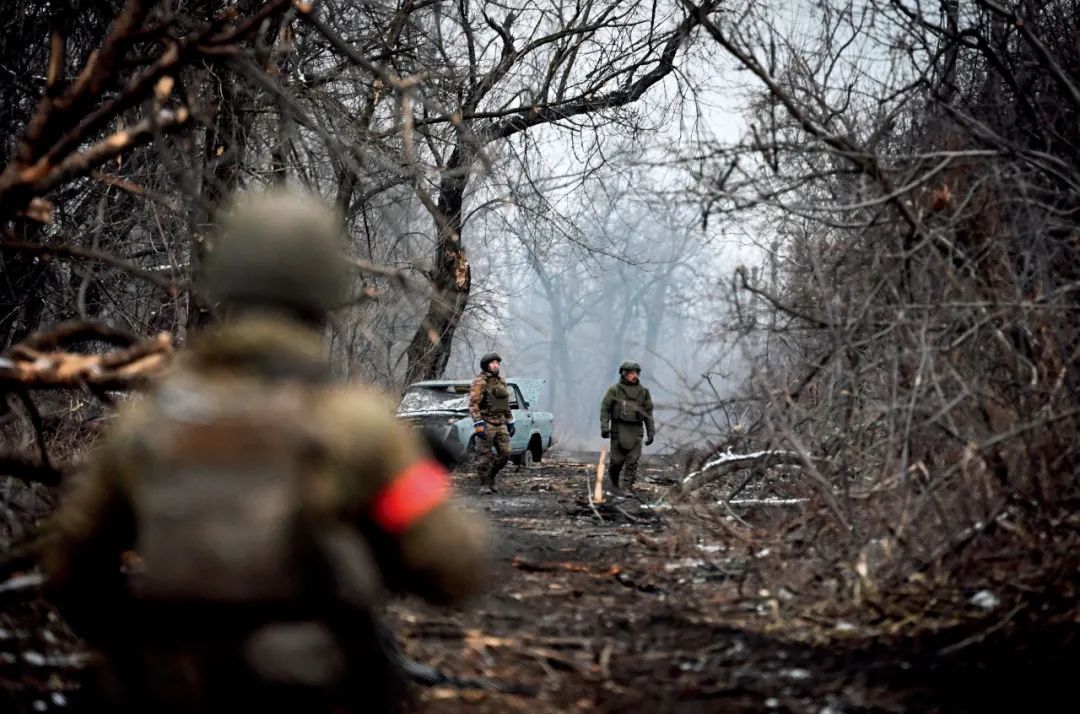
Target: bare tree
917,177
500,77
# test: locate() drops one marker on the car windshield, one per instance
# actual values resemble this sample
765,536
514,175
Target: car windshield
448,398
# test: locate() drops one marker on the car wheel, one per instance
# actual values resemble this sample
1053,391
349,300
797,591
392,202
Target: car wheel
527,461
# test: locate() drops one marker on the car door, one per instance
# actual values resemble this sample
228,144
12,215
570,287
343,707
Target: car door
523,420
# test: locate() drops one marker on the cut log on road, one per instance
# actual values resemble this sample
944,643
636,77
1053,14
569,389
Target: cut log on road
598,489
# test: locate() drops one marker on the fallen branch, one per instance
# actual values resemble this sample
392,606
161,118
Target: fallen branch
627,516
729,463
121,369
560,566
73,661
21,584
980,636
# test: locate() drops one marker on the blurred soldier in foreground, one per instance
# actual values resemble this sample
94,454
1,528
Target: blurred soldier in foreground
268,505
489,403
626,406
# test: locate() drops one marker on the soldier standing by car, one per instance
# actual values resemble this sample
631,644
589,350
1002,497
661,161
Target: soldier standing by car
269,504
493,422
626,406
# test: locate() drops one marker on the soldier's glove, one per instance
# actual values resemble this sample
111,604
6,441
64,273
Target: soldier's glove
605,434
510,428
480,428
648,439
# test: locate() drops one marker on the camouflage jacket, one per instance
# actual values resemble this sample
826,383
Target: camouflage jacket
369,467
625,403
487,395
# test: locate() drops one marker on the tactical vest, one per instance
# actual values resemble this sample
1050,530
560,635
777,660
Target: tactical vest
496,397
628,409
222,501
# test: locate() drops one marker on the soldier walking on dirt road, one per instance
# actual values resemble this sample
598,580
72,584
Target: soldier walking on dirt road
493,422
626,406
268,504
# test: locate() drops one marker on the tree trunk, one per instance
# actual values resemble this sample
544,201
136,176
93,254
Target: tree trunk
429,350
223,153
625,302
558,346
655,311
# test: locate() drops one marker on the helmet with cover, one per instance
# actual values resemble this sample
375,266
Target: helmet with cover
488,359
280,249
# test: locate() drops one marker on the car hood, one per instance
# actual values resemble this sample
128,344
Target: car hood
418,413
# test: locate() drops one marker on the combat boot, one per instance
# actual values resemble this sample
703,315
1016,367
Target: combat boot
487,483
629,477
616,469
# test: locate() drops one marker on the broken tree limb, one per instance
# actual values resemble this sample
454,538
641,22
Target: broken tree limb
19,584
730,463
127,368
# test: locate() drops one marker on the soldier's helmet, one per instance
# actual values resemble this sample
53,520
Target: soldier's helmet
629,366
278,249
488,359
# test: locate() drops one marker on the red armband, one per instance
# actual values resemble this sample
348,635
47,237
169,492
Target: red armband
410,496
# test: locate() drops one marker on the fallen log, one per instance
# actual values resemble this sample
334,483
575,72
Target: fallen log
730,463
598,490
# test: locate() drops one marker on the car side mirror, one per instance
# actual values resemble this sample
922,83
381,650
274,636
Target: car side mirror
526,404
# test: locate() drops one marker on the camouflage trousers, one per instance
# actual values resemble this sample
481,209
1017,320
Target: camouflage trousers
492,452
625,453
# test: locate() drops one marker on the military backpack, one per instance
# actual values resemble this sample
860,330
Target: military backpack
225,496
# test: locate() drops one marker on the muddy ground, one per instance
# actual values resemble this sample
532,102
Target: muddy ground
644,610
632,608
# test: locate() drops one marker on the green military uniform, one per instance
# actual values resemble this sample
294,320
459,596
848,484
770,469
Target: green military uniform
625,409
269,507
489,404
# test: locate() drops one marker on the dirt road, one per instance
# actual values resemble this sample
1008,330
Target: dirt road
633,609
640,611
